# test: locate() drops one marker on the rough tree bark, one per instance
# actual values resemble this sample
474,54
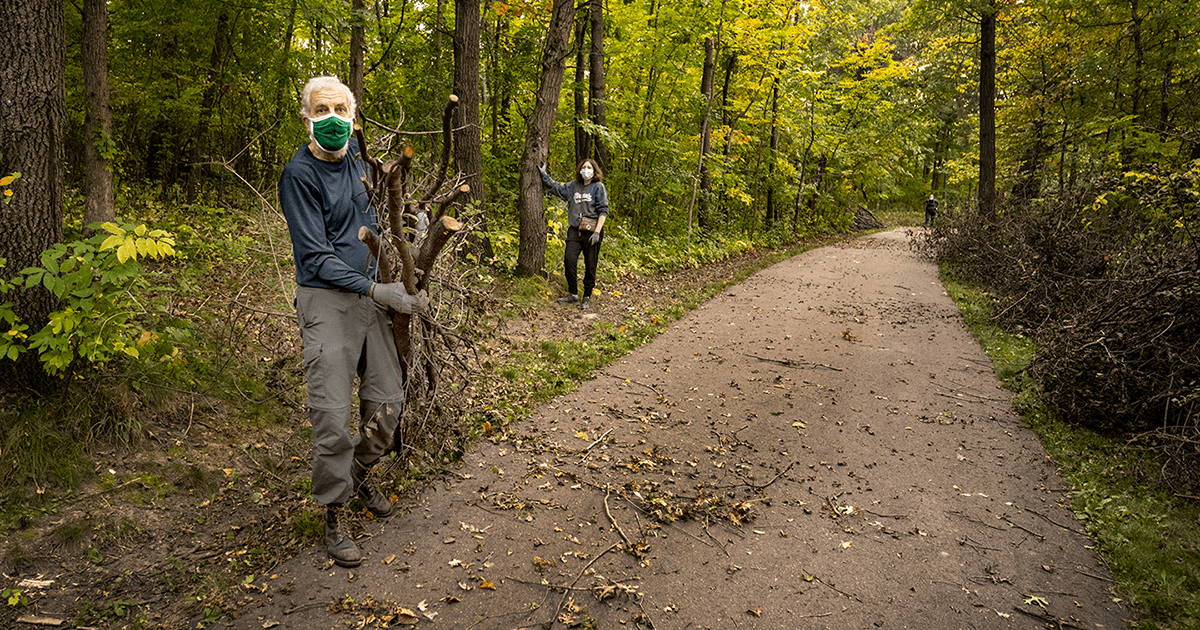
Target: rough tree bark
531,252
583,145
32,120
596,83
98,204
468,147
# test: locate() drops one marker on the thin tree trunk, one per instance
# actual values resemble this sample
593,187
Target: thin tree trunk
583,147
356,51
98,205
468,145
209,101
772,213
531,248
32,45
706,89
987,111
596,82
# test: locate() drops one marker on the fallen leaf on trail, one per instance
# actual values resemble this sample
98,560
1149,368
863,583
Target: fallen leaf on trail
389,559
270,623
487,585
848,544
464,586
430,615
1034,599
450,599
454,563
407,617
581,435
422,606
799,425
961,457
808,578
1047,568
448,541
1005,615
756,611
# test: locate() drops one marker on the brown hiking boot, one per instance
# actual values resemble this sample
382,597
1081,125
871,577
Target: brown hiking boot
341,547
371,497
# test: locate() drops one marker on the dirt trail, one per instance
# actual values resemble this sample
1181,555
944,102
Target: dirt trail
834,402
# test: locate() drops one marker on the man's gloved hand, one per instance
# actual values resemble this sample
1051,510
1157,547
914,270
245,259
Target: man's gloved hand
542,168
393,296
595,238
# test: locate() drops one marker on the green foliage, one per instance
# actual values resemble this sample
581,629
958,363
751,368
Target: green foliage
14,597
1148,538
105,311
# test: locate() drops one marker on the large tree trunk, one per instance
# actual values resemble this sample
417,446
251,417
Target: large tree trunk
772,213
596,83
357,34
32,45
987,111
98,204
468,145
531,252
583,145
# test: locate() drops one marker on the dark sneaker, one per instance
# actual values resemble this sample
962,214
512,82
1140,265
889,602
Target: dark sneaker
587,301
341,547
371,497
570,299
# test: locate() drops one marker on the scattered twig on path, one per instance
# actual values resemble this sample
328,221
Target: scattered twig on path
628,544
895,516
795,364
629,380
1039,536
854,597
1093,575
598,440
815,616
975,520
1048,519
714,539
966,540
302,607
644,615
669,524
1051,619
572,585
773,479
959,397
552,587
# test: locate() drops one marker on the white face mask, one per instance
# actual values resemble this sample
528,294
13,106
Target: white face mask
586,172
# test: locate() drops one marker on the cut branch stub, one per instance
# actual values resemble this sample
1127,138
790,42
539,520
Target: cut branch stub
376,246
447,141
452,199
439,234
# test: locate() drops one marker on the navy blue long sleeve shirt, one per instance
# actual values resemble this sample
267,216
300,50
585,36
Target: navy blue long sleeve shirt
325,204
583,200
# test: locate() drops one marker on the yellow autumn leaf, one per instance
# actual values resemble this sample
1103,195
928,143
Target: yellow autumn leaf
487,585
581,435
848,544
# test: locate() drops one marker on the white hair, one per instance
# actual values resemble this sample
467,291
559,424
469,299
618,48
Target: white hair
320,83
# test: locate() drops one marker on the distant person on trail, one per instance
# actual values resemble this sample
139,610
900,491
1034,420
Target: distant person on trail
931,206
587,209
342,312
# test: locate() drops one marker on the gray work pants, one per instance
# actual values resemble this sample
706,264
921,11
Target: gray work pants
346,334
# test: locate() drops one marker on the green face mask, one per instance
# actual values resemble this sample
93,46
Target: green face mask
331,131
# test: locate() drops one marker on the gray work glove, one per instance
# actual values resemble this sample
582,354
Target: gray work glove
542,168
393,296
595,238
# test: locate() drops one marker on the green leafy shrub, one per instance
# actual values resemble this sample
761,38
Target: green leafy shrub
103,289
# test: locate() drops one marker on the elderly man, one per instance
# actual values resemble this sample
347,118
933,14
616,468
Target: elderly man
342,312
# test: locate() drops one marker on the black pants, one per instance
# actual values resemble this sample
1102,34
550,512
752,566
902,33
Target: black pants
578,242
